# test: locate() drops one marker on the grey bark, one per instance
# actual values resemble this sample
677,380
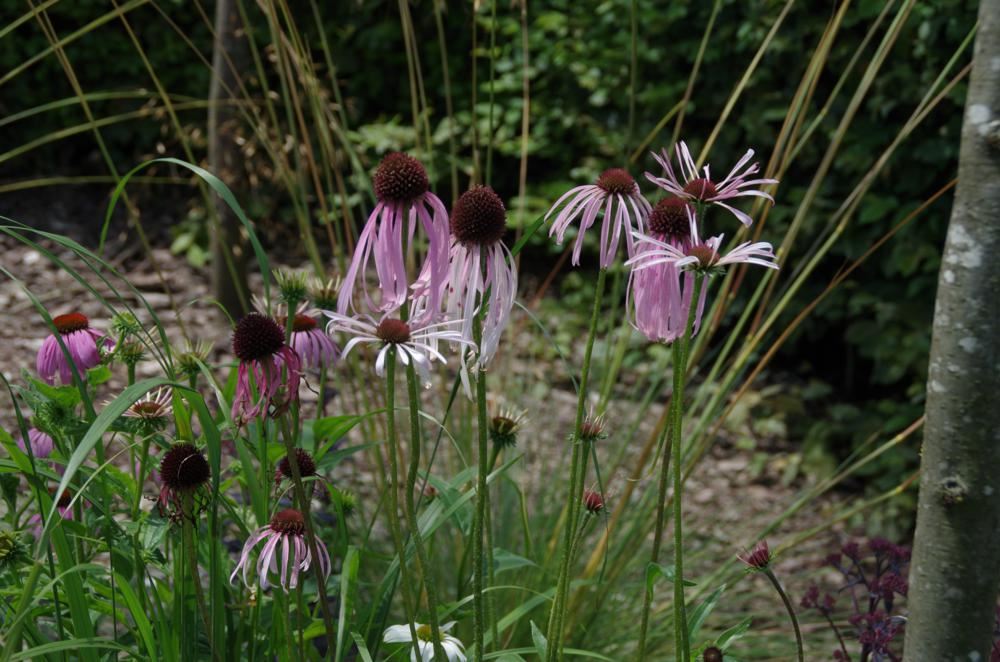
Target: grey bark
229,250
955,571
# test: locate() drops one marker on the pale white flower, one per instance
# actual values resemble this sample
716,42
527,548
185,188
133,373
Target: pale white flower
400,634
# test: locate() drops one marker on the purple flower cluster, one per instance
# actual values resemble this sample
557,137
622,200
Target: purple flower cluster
874,578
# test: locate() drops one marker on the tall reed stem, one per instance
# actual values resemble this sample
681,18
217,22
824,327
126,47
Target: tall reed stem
577,477
423,567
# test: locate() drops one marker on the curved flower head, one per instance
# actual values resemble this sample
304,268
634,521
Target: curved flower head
267,365
39,442
402,189
400,634
478,224
82,343
658,296
285,553
624,210
314,347
415,342
758,558
700,187
504,426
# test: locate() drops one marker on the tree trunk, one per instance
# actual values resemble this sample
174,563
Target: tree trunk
229,252
955,571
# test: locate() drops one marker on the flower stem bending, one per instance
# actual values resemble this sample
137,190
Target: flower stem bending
578,472
791,612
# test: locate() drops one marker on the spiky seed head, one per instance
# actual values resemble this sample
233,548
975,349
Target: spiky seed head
400,178
257,337
701,189
616,181
669,219
125,324
12,550
479,217
131,352
291,286
393,331
183,468
348,502
307,465
288,522
592,429
188,361
70,322
324,294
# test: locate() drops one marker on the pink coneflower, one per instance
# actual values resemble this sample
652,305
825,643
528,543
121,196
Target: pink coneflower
697,255
624,211
315,348
693,185
758,558
183,469
402,189
285,552
593,501
82,343
259,344
478,223
415,342
63,507
40,443
658,296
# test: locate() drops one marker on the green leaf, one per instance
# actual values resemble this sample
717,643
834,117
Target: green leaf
362,647
734,633
504,560
64,396
98,375
698,615
541,644
348,581
654,571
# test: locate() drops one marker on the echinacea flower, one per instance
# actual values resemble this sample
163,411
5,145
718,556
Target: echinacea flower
285,552
504,427
39,442
183,469
624,208
154,406
692,185
259,344
758,558
593,501
35,523
315,348
658,296
697,255
415,342
81,342
400,634
402,189
482,269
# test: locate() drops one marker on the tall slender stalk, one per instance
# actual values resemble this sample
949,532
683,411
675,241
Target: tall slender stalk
577,478
665,445
423,567
479,611
791,612
680,351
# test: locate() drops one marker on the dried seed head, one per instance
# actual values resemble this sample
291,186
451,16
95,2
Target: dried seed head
288,522
504,427
393,331
307,465
183,467
479,217
701,189
131,352
669,218
592,428
257,337
400,178
70,322
593,502
616,181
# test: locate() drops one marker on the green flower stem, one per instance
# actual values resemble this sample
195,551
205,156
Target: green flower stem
187,533
392,509
790,610
577,477
478,611
423,567
680,355
303,503
664,445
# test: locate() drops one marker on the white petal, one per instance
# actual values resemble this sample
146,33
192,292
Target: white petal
397,634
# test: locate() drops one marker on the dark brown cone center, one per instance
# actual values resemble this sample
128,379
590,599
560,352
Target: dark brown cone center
479,217
669,219
393,331
400,178
288,522
701,188
183,467
616,181
70,322
256,337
